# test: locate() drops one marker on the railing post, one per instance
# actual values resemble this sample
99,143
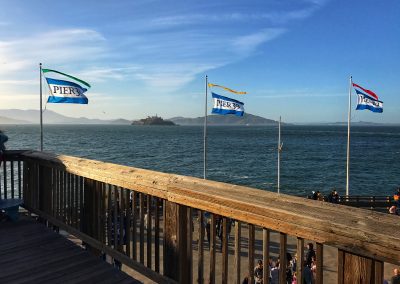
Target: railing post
358,269
176,242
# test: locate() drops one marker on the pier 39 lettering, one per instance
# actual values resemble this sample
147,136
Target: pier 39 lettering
226,104
66,90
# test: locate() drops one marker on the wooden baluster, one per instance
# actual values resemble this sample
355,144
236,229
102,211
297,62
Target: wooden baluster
200,248
251,253
175,243
0,181
81,201
141,213
121,219
189,240
165,239
64,196
73,204
238,238
100,211
109,216
128,223
340,266
225,251
266,240
12,178
54,193
300,260
5,178
212,249
134,222
115,216
157,236
59,204
19,180
378,271
282,258
320,264
148,231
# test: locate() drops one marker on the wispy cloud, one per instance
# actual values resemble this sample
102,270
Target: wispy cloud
248,43
165,52
58,47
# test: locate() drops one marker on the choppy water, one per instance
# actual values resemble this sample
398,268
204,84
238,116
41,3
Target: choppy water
313,157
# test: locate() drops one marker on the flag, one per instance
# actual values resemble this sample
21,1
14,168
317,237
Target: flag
65,91
225,105
367,99
227,89
358,89
366,102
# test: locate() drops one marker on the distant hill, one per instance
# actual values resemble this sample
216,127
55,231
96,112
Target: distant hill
17,116
246,119
6,120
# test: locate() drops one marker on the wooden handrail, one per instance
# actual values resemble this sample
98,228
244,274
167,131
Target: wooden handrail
354,230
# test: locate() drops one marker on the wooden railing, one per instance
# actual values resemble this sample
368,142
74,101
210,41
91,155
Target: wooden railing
157,223
376,203
11,175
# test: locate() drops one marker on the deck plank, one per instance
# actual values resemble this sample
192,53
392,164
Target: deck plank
31,252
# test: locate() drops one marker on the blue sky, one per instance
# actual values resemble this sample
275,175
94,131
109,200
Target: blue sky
293,57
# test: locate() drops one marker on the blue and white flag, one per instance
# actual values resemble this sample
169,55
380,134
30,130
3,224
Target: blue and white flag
225,105
366,102
63,91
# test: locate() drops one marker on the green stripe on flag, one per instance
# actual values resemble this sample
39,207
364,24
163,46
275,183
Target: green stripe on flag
72,77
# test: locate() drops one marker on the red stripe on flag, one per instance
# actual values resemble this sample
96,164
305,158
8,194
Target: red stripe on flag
369,92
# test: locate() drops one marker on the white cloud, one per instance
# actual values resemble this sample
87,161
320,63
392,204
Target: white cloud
248,43
58,47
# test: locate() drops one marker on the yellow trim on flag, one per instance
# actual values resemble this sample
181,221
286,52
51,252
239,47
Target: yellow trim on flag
225,88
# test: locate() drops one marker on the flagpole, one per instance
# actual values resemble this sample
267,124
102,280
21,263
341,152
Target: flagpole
348,139
205,132
41,109
279,155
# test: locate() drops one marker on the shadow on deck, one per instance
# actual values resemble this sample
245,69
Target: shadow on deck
31,252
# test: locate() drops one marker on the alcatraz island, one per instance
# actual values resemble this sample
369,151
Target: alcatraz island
152,120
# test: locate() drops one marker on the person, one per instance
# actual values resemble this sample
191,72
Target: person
275,272
3,139
314,195
393,210
258,272
310,254
396,198
289,274
294,281
333,197
307,275
313,269
293,263
396,276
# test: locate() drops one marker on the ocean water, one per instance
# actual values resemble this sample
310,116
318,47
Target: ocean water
313,157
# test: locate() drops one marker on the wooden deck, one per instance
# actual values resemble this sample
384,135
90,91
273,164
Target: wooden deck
32,253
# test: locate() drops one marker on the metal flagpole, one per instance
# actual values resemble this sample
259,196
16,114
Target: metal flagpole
279,155
205,132
348,139
41,110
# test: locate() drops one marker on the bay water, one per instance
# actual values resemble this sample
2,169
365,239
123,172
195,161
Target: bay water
313,157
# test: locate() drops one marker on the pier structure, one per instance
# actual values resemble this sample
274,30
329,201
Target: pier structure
179,229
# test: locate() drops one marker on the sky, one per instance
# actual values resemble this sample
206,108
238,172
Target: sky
294,58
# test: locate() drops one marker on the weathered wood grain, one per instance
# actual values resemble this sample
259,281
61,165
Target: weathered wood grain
362,232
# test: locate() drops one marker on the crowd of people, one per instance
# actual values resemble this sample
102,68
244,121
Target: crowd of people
333,196
395,209
274,267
